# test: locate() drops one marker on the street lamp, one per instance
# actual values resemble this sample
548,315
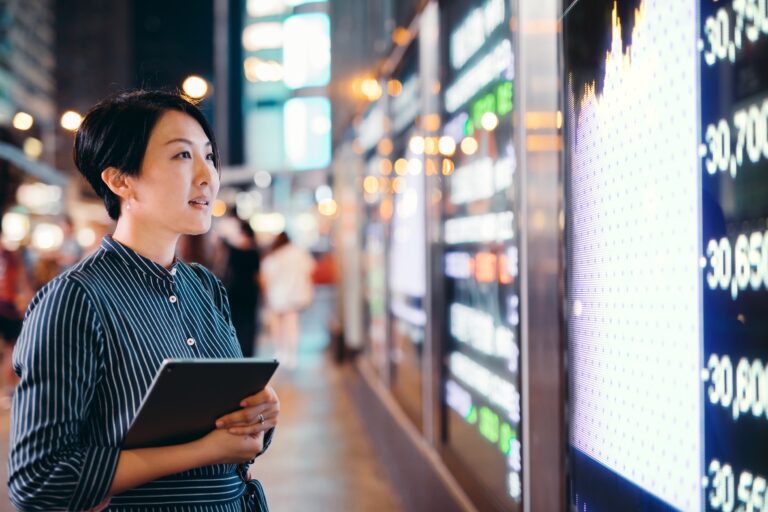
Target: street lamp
195,87
71,120
23,121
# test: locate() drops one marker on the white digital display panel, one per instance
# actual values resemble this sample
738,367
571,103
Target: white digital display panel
307,50
408,273
633,290
307,132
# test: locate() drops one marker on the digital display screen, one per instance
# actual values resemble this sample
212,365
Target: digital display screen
481,389
378,212
666,203
407,246
307,132
307,50
733,138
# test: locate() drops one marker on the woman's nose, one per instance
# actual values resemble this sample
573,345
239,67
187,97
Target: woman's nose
204,172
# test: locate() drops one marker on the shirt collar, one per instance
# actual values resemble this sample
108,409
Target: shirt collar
136,260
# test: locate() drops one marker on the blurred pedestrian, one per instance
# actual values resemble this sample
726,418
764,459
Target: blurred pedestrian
287,278
241,280
45,267
15,293
70,251
95,336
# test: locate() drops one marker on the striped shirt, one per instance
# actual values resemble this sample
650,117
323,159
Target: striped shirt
92,341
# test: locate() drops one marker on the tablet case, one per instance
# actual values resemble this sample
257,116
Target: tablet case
188,396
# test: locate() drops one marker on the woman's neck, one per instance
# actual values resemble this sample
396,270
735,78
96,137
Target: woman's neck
157,245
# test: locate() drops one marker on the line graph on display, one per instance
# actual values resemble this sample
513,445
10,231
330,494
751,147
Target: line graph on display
633,198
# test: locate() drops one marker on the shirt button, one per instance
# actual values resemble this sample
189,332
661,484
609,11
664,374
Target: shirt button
173,299
173,271
190,341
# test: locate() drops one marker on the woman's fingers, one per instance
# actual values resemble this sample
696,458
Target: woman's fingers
262,404
247,416
269,422
266,395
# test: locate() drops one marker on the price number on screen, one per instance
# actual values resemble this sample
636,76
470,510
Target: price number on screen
743,266
747,493
743,391
721,495
751,20
726,32
728,146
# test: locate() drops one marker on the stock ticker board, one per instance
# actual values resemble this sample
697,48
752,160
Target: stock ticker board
667,253
480,249
733,64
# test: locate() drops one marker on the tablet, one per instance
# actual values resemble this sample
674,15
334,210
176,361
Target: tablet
188,396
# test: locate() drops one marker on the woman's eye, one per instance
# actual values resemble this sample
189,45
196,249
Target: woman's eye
209,156
184,154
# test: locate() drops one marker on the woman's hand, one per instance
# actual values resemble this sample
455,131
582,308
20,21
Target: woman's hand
259,414
221,447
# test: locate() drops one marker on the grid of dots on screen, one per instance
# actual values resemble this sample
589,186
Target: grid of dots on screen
633,275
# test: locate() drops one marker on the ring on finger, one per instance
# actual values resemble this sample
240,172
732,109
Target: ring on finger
261,419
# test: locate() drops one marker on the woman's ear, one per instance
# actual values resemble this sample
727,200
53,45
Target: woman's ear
117,182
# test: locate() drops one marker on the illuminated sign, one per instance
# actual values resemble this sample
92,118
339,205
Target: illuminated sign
406,106
458,398
407,258
456,127
307,50
474,31
371,129
307,132
500,101
489,385
259,70
480,228
263,36
458,265
481,179
477,329
492,428
498,63
484,267
259,8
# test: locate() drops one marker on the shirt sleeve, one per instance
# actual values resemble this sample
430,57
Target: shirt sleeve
54,462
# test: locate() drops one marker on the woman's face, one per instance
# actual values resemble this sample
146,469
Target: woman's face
177,182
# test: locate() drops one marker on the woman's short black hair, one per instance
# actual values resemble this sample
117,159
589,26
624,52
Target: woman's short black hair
116,131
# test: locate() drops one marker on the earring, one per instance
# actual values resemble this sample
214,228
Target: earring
128,204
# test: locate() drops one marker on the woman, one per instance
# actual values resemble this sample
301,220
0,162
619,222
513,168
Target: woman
287,277
94,337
